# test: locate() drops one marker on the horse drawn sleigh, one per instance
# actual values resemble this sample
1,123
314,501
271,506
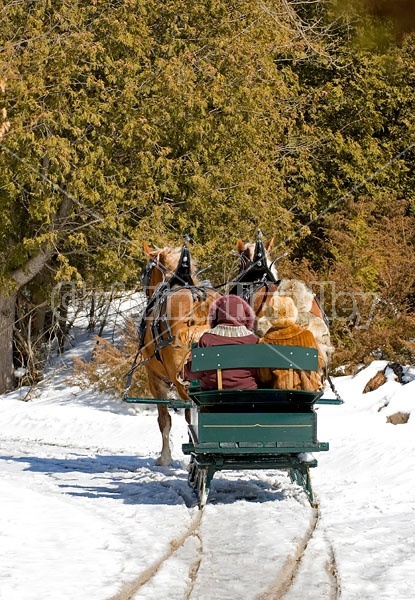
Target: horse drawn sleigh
229,429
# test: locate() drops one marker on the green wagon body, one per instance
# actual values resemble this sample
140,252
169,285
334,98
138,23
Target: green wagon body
251,429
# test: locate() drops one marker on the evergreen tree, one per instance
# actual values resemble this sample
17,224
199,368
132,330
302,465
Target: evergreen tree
139,120
62,194
136,119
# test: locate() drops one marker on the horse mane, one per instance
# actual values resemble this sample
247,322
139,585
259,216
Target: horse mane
249,247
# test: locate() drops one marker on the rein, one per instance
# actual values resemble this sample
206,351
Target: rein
333,389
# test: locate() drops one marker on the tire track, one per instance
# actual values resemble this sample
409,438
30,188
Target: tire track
130,589
194,568
286,576
331,567
282,584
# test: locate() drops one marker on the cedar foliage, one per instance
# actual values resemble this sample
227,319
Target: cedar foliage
136,120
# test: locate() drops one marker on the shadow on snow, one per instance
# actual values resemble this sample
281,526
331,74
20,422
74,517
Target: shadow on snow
135,480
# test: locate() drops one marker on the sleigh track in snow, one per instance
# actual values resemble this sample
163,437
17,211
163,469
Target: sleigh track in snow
131,589
287,575
284,579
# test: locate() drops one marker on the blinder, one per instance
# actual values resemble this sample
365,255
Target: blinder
146,273
256,269
182,275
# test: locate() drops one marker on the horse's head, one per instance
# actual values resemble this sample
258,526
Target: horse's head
171,264
248,253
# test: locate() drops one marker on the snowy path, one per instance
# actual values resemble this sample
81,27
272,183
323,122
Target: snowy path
140,531
86,515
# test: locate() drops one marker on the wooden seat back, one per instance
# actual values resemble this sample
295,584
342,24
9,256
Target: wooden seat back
217,358
232,356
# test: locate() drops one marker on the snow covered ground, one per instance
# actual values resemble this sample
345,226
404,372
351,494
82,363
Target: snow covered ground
85,514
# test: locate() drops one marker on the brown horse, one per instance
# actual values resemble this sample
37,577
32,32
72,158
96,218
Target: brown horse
176,315
257,281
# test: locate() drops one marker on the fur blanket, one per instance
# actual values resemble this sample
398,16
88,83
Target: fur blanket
303,299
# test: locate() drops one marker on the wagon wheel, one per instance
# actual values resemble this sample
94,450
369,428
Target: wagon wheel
192,469
202,486
301,476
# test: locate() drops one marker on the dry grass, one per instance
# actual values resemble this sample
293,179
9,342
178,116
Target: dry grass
109,365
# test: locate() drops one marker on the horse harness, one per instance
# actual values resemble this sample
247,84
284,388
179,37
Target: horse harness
255,275
156,304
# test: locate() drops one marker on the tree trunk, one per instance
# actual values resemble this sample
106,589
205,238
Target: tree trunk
7,311
19,278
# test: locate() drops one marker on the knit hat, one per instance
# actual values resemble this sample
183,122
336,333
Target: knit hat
280,311
231,310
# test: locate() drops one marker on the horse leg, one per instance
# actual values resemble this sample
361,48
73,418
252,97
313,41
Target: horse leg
159,389
164,421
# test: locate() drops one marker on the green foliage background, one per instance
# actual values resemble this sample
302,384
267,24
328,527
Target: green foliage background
148,120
